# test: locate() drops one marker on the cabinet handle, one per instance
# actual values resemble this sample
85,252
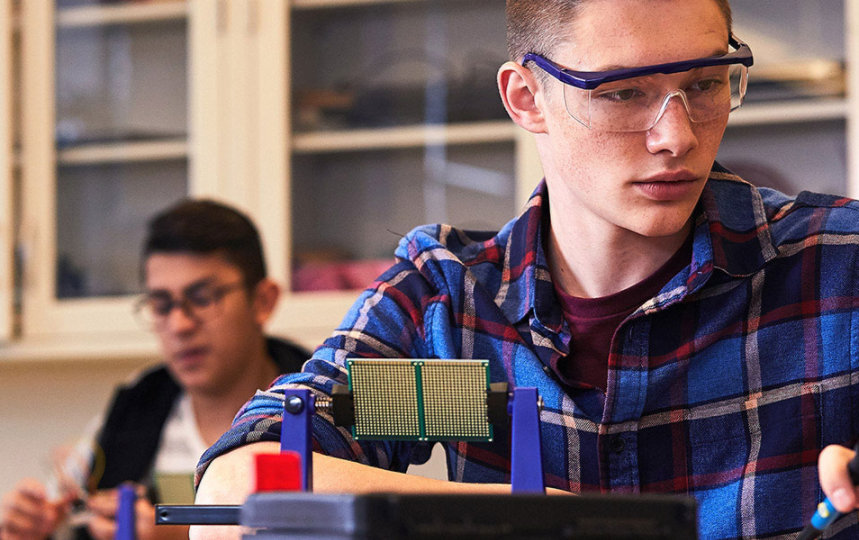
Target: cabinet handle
25,254
253,17
222,16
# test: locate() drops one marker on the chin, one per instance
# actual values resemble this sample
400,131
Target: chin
188,377
664,226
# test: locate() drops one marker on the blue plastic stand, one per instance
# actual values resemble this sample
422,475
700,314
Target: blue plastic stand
526,464
295,435
125,516
526,474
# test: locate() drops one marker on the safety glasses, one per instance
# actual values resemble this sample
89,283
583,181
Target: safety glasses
634,99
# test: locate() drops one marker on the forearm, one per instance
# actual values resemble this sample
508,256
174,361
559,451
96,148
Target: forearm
228,480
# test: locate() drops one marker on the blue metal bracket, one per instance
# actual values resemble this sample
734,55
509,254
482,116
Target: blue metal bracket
526,464
299,405
526,453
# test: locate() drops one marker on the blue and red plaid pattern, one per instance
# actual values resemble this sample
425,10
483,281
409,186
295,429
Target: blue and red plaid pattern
725,386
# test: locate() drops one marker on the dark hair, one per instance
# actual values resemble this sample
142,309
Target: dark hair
538,25
205,227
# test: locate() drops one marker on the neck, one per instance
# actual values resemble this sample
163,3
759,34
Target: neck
592,265
214,410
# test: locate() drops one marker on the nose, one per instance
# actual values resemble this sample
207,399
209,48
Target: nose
180,319
672,131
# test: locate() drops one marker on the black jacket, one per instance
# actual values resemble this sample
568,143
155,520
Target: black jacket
131,432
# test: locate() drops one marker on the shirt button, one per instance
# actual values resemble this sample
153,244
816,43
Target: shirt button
617,444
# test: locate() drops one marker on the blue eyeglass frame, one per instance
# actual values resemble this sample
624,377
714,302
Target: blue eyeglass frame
588,80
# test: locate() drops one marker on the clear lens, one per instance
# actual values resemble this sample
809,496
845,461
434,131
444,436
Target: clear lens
149,310
637,103
203,298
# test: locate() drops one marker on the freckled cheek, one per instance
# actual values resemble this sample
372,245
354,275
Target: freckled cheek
610,155
594,149
596,167
710,135
715,140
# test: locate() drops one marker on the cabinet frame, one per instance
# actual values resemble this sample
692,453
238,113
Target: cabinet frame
7,172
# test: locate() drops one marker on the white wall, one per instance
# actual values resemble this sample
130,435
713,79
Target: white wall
45,404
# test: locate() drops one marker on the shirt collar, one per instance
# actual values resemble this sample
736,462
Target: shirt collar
526,282
731,234
734,215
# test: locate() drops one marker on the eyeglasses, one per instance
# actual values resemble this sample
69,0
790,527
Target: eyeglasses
634,99
200,302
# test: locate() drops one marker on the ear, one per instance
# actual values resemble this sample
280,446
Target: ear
522,97
266,294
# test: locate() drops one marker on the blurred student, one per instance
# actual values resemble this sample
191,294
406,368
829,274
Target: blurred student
207,297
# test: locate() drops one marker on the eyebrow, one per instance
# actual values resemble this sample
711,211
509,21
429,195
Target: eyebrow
614,67
209,280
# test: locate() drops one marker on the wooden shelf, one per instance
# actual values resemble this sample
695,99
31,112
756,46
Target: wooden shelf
788,112
322,4
403,137
92,154
96,347
783,112
127,13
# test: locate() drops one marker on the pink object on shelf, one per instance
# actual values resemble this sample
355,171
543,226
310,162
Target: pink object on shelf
337,275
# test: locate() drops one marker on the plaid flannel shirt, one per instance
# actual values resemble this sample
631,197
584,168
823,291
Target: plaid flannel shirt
725,386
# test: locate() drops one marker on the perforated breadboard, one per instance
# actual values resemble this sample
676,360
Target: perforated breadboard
427,400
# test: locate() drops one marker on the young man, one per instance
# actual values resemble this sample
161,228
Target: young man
207,297
687,333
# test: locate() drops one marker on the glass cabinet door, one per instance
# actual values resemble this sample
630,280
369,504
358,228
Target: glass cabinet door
121,129
396,122
791,133
105,146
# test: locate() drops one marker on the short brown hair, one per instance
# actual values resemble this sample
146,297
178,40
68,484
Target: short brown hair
536,25
207,227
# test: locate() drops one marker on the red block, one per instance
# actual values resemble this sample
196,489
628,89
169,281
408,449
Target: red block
278,472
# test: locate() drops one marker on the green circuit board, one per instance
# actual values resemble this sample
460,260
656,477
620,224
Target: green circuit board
425,400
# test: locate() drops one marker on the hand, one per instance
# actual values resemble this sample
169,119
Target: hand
27,514
835,480
102,525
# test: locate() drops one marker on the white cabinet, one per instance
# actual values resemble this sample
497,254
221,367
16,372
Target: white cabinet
337,124
104,143
127,107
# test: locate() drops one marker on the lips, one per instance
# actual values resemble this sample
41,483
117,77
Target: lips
668,186
190,357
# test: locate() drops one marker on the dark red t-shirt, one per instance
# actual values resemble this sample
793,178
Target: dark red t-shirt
593,322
